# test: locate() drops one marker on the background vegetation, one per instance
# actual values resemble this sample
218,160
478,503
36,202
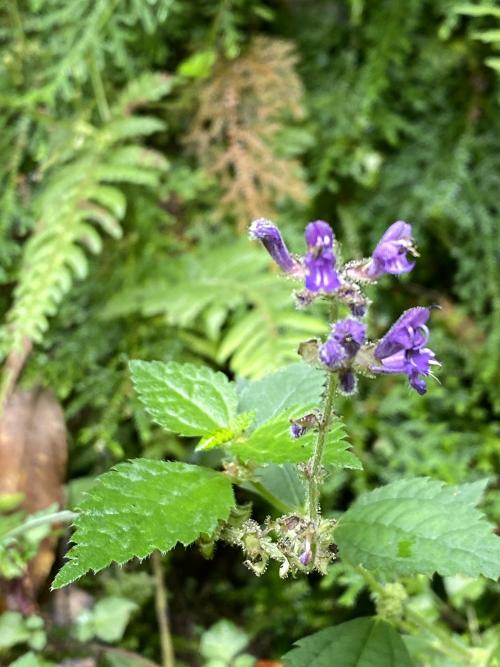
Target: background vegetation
138,139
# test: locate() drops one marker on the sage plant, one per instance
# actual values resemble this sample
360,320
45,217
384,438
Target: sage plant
346,353
285,425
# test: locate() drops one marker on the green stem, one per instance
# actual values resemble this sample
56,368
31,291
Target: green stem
446,643
314,473
319,448
65,516
167,650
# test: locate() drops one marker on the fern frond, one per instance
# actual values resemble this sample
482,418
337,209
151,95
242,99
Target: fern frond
235,130
74,205
73,42
227,306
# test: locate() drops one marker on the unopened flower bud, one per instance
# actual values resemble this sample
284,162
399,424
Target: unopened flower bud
270,237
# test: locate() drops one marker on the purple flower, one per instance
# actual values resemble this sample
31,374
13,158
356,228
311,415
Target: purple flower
351,335
343,343
347,383
270,237
332,354
297,430
305,558
358,309
402,349
390,254
320,259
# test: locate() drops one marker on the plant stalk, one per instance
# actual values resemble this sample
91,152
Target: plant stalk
162,615
314,485
319,448
65,516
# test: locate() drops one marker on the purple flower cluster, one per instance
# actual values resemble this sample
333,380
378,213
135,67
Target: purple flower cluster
342,345
402,349
318,266
340,348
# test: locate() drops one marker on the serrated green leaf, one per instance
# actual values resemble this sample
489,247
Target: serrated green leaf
363,642
142,506
419,526
184,398
472,492
271,443
297,384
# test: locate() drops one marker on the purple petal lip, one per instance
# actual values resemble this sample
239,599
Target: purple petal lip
270,236
319,234
408,330
332,354
320,260
350,327
320,274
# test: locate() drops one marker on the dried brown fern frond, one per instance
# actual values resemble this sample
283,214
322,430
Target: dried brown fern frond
241,111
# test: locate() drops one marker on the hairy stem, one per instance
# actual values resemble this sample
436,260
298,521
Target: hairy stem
167,650
314,485
319,448
65,516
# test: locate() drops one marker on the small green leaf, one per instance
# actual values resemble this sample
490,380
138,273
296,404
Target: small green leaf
419,526
225,435
271,443
223,641
141,506
297,384
31,660
13,630
199,65
184,398
107,620
363,642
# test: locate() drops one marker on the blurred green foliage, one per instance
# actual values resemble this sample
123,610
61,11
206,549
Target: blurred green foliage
399,119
